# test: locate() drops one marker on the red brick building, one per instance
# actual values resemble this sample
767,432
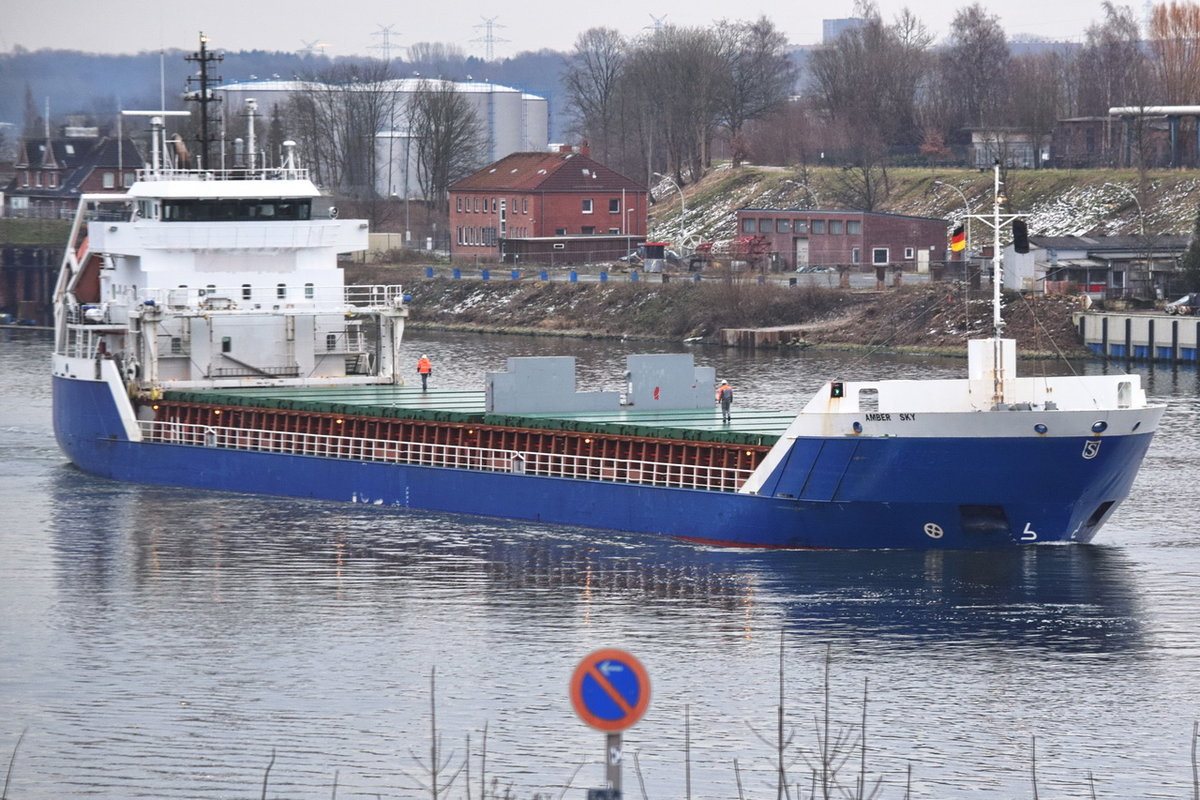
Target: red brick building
50,174
546,208
814,237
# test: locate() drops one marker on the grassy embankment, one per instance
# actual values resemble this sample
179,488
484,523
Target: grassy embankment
34,231
1057,202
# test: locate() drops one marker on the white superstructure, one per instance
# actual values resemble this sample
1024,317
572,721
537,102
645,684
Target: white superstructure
208,278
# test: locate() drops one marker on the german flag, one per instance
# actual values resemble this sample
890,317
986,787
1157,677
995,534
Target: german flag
958,240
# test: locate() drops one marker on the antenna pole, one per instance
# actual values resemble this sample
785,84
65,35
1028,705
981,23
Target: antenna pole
997,266
997,277
997,221
203,95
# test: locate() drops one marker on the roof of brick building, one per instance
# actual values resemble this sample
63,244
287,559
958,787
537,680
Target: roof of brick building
547,172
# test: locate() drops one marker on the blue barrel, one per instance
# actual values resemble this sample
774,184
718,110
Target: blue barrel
429,272
516,274
485,274
456,274
544,275
574,277
603,276
633,276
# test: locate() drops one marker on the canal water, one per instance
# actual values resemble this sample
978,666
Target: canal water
159,643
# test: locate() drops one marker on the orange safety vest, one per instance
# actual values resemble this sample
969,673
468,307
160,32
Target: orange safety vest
423,366
722,388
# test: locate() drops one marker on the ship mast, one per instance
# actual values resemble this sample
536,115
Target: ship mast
204,94
996,221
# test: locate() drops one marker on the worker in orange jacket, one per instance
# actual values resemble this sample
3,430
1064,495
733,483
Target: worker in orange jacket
725,398
424,369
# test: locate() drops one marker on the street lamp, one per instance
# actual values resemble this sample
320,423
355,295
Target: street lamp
1148,254
1138,203
966,221
812,196
682,207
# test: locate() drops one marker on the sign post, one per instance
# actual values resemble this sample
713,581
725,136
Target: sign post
610,691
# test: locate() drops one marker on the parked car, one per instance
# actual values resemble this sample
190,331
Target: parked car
1186,306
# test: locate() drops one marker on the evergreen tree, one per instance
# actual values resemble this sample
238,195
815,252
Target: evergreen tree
34,125
1189,265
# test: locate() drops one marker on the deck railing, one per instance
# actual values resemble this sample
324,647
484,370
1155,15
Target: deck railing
557,465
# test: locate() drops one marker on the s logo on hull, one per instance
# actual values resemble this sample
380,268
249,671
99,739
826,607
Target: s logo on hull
1091,448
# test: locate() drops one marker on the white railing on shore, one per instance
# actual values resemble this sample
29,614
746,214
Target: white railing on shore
683,476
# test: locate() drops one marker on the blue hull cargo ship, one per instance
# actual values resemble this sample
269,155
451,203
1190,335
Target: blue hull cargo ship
205,338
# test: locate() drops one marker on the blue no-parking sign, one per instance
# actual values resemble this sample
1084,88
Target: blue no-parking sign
610,690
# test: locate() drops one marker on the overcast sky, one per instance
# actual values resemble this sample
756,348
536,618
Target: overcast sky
355,27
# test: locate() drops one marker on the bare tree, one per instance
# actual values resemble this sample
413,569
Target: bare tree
336,116
449,140
1174,33
976,66
436,59
673,80
1111,67
591,77
867,81
789,136
441,770
760,76
1037,96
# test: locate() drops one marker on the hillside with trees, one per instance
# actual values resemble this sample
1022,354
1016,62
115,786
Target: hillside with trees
683,101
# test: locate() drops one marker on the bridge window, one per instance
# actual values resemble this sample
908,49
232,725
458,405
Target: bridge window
192,210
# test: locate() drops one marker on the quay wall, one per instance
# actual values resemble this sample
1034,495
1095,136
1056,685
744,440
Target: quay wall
1139,336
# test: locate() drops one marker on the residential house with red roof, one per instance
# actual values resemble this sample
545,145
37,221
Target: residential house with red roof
50,174
557,208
